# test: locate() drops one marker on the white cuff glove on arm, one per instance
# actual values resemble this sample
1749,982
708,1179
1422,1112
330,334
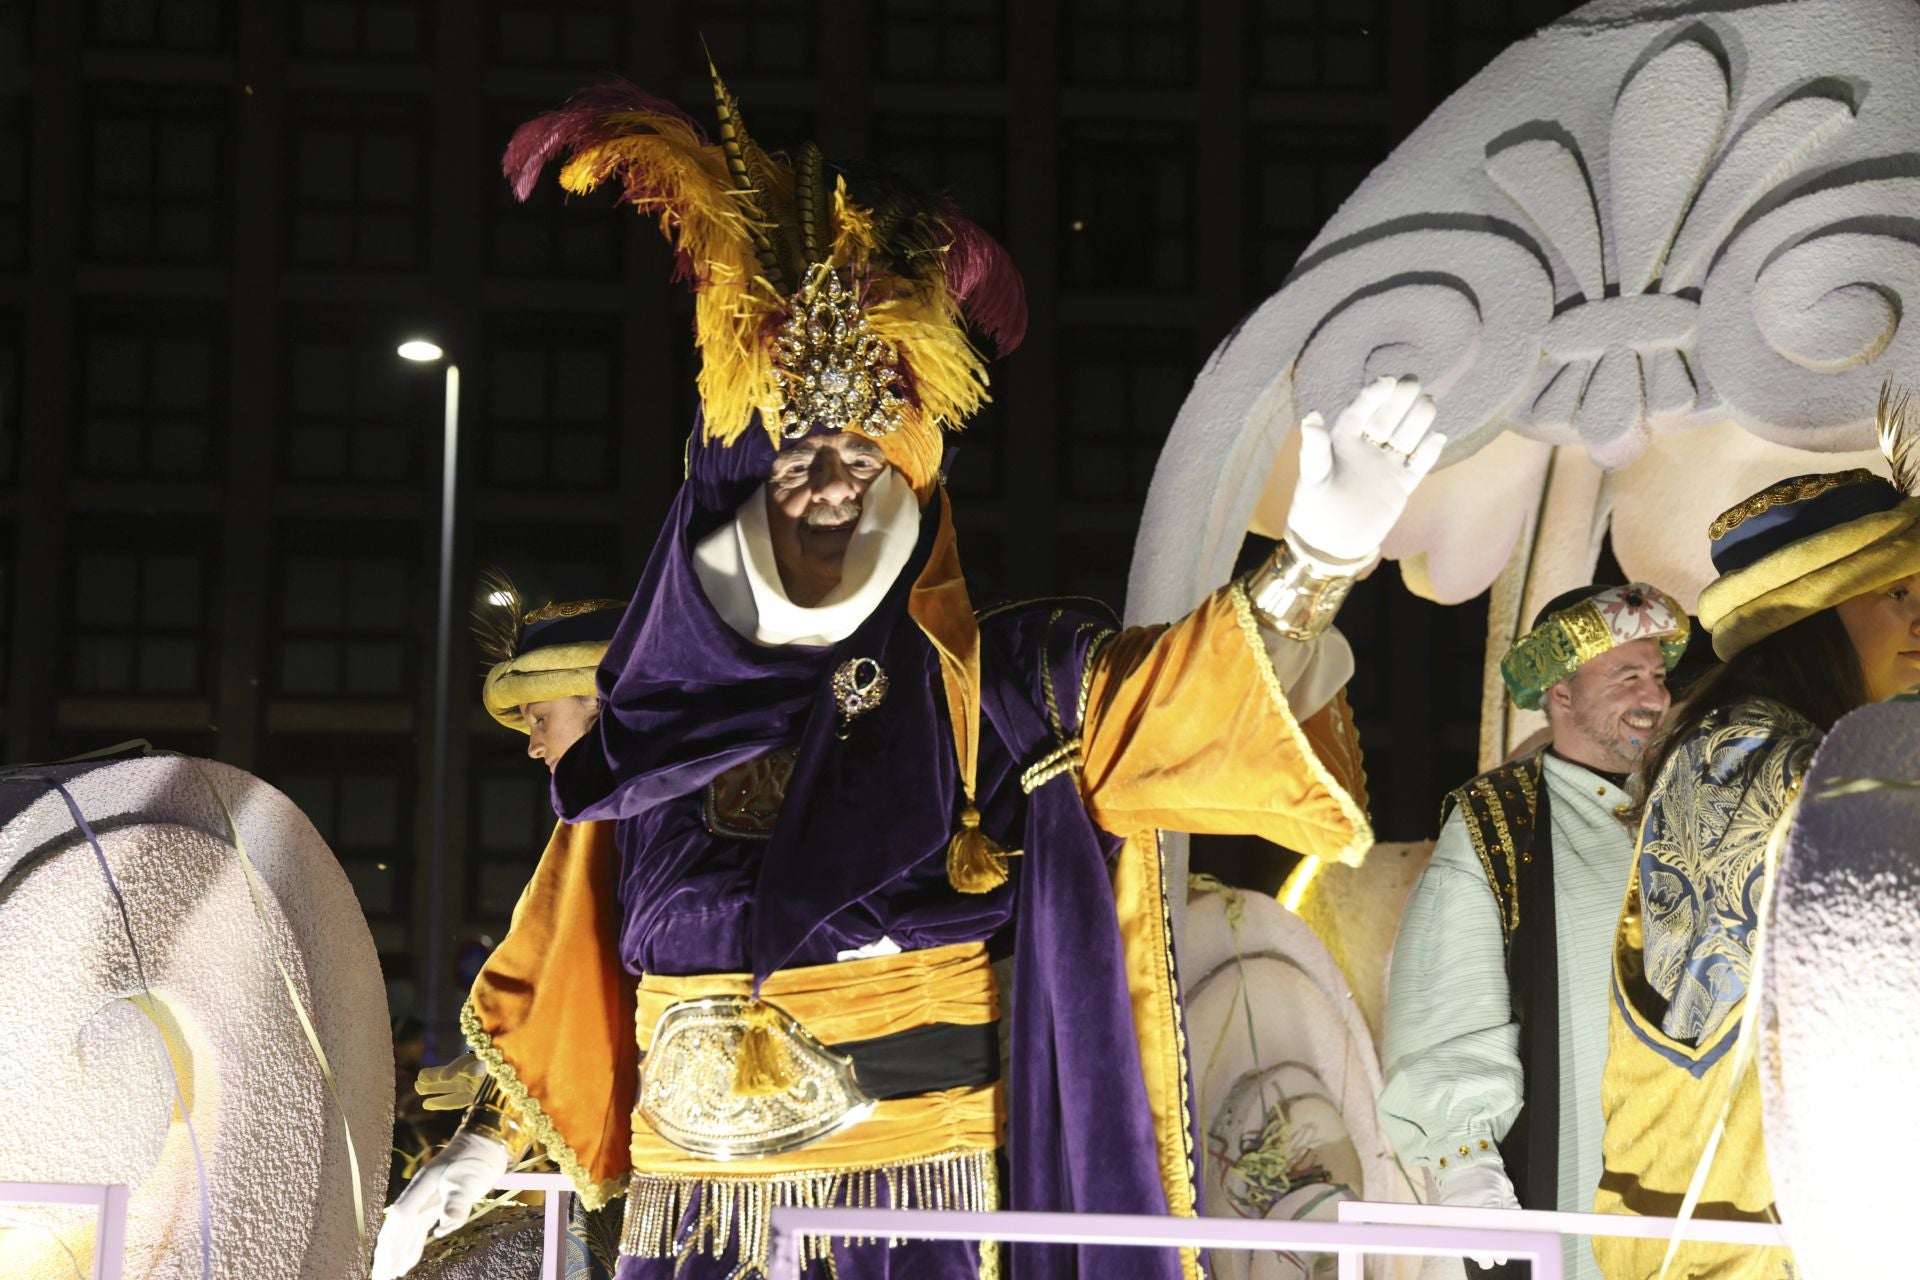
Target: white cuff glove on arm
1481,1185
1356,476
438,1200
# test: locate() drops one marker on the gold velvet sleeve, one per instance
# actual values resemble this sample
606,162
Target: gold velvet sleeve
551,1014
1186,728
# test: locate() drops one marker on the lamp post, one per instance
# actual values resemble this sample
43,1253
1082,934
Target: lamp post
422,351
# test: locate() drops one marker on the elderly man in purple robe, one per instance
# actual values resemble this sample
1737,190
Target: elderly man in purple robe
842,781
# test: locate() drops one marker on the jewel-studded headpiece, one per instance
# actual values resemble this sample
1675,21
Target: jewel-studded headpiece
1577,627
826,299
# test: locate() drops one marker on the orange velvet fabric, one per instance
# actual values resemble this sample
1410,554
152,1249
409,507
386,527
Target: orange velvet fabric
552,1011
1187,729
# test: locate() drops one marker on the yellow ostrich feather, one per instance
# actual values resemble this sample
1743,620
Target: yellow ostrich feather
710,222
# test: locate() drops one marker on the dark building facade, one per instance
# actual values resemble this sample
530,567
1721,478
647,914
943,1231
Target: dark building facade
219,488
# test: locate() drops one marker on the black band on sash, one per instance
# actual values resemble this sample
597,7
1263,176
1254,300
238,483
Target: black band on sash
1531,1149
941,1055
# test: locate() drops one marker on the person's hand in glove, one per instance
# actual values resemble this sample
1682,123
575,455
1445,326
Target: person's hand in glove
438,1200
451,1087
1482,1184
1356,476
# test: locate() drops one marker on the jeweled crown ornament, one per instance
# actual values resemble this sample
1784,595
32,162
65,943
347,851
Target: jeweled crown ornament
834,372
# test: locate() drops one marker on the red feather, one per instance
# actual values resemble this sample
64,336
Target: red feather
581,122
984,279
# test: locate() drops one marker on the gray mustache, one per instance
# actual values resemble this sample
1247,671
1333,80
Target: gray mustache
839,513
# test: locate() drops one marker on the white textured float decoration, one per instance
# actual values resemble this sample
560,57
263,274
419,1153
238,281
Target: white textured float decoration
1840,1027
95,1037
1286,1080
1649,260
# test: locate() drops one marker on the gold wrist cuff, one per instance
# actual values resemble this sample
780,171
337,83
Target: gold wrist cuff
491,1117
1293,597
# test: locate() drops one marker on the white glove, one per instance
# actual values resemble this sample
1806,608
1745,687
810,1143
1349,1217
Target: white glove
1356,477
439,1199
1481,1185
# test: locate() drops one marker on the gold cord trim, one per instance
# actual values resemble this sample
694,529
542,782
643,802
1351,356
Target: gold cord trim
1189,1257
1046,680
1064,758
1362,839
569,609
678,1215
593,1194
1087,668
1799,489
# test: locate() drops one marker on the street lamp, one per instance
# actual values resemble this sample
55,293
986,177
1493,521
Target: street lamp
422,351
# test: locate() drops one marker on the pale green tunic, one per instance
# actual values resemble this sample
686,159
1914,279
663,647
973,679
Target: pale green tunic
1453,1075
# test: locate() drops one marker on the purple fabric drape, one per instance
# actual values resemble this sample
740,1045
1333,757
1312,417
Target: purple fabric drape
686,698
1080,1135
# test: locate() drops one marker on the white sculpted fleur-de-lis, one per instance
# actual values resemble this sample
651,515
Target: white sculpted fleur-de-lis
1619,353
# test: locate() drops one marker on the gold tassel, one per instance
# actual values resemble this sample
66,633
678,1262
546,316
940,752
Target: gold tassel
975,864
761,1070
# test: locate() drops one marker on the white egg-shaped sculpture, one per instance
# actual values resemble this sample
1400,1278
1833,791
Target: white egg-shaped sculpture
1840,1027
148,994
1285,1077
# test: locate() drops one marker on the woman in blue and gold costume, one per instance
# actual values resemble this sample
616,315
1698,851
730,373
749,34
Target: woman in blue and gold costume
1816,611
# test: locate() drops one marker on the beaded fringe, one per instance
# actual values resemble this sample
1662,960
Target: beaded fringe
672,1215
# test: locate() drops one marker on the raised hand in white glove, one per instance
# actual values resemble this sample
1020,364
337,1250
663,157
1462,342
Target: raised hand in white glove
1356,476
1481,1185
438,1200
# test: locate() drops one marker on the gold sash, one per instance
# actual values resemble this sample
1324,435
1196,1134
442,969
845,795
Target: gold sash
932,1150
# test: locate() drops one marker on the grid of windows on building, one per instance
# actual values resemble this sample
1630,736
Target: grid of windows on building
551,234
152,390
1416,701
358,792
16,130
1126,201
357,191
1309,44
353,412
548,412
1299,178
940,39
140,613
751,37
573,401
961,156
1128,42
185,25
1119,393
1474,32
10,393
346,618
510,818
1119,390
16,30
556,33
546,563
156,173
6,607
382,30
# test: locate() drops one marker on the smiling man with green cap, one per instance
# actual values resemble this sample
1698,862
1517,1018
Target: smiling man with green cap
1496,1009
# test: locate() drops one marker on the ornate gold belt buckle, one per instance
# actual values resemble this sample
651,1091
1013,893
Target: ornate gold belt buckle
686,1084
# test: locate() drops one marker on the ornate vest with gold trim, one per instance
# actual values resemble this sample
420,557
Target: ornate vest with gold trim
1499,808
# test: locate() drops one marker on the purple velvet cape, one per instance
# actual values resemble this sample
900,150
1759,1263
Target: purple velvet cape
685,698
